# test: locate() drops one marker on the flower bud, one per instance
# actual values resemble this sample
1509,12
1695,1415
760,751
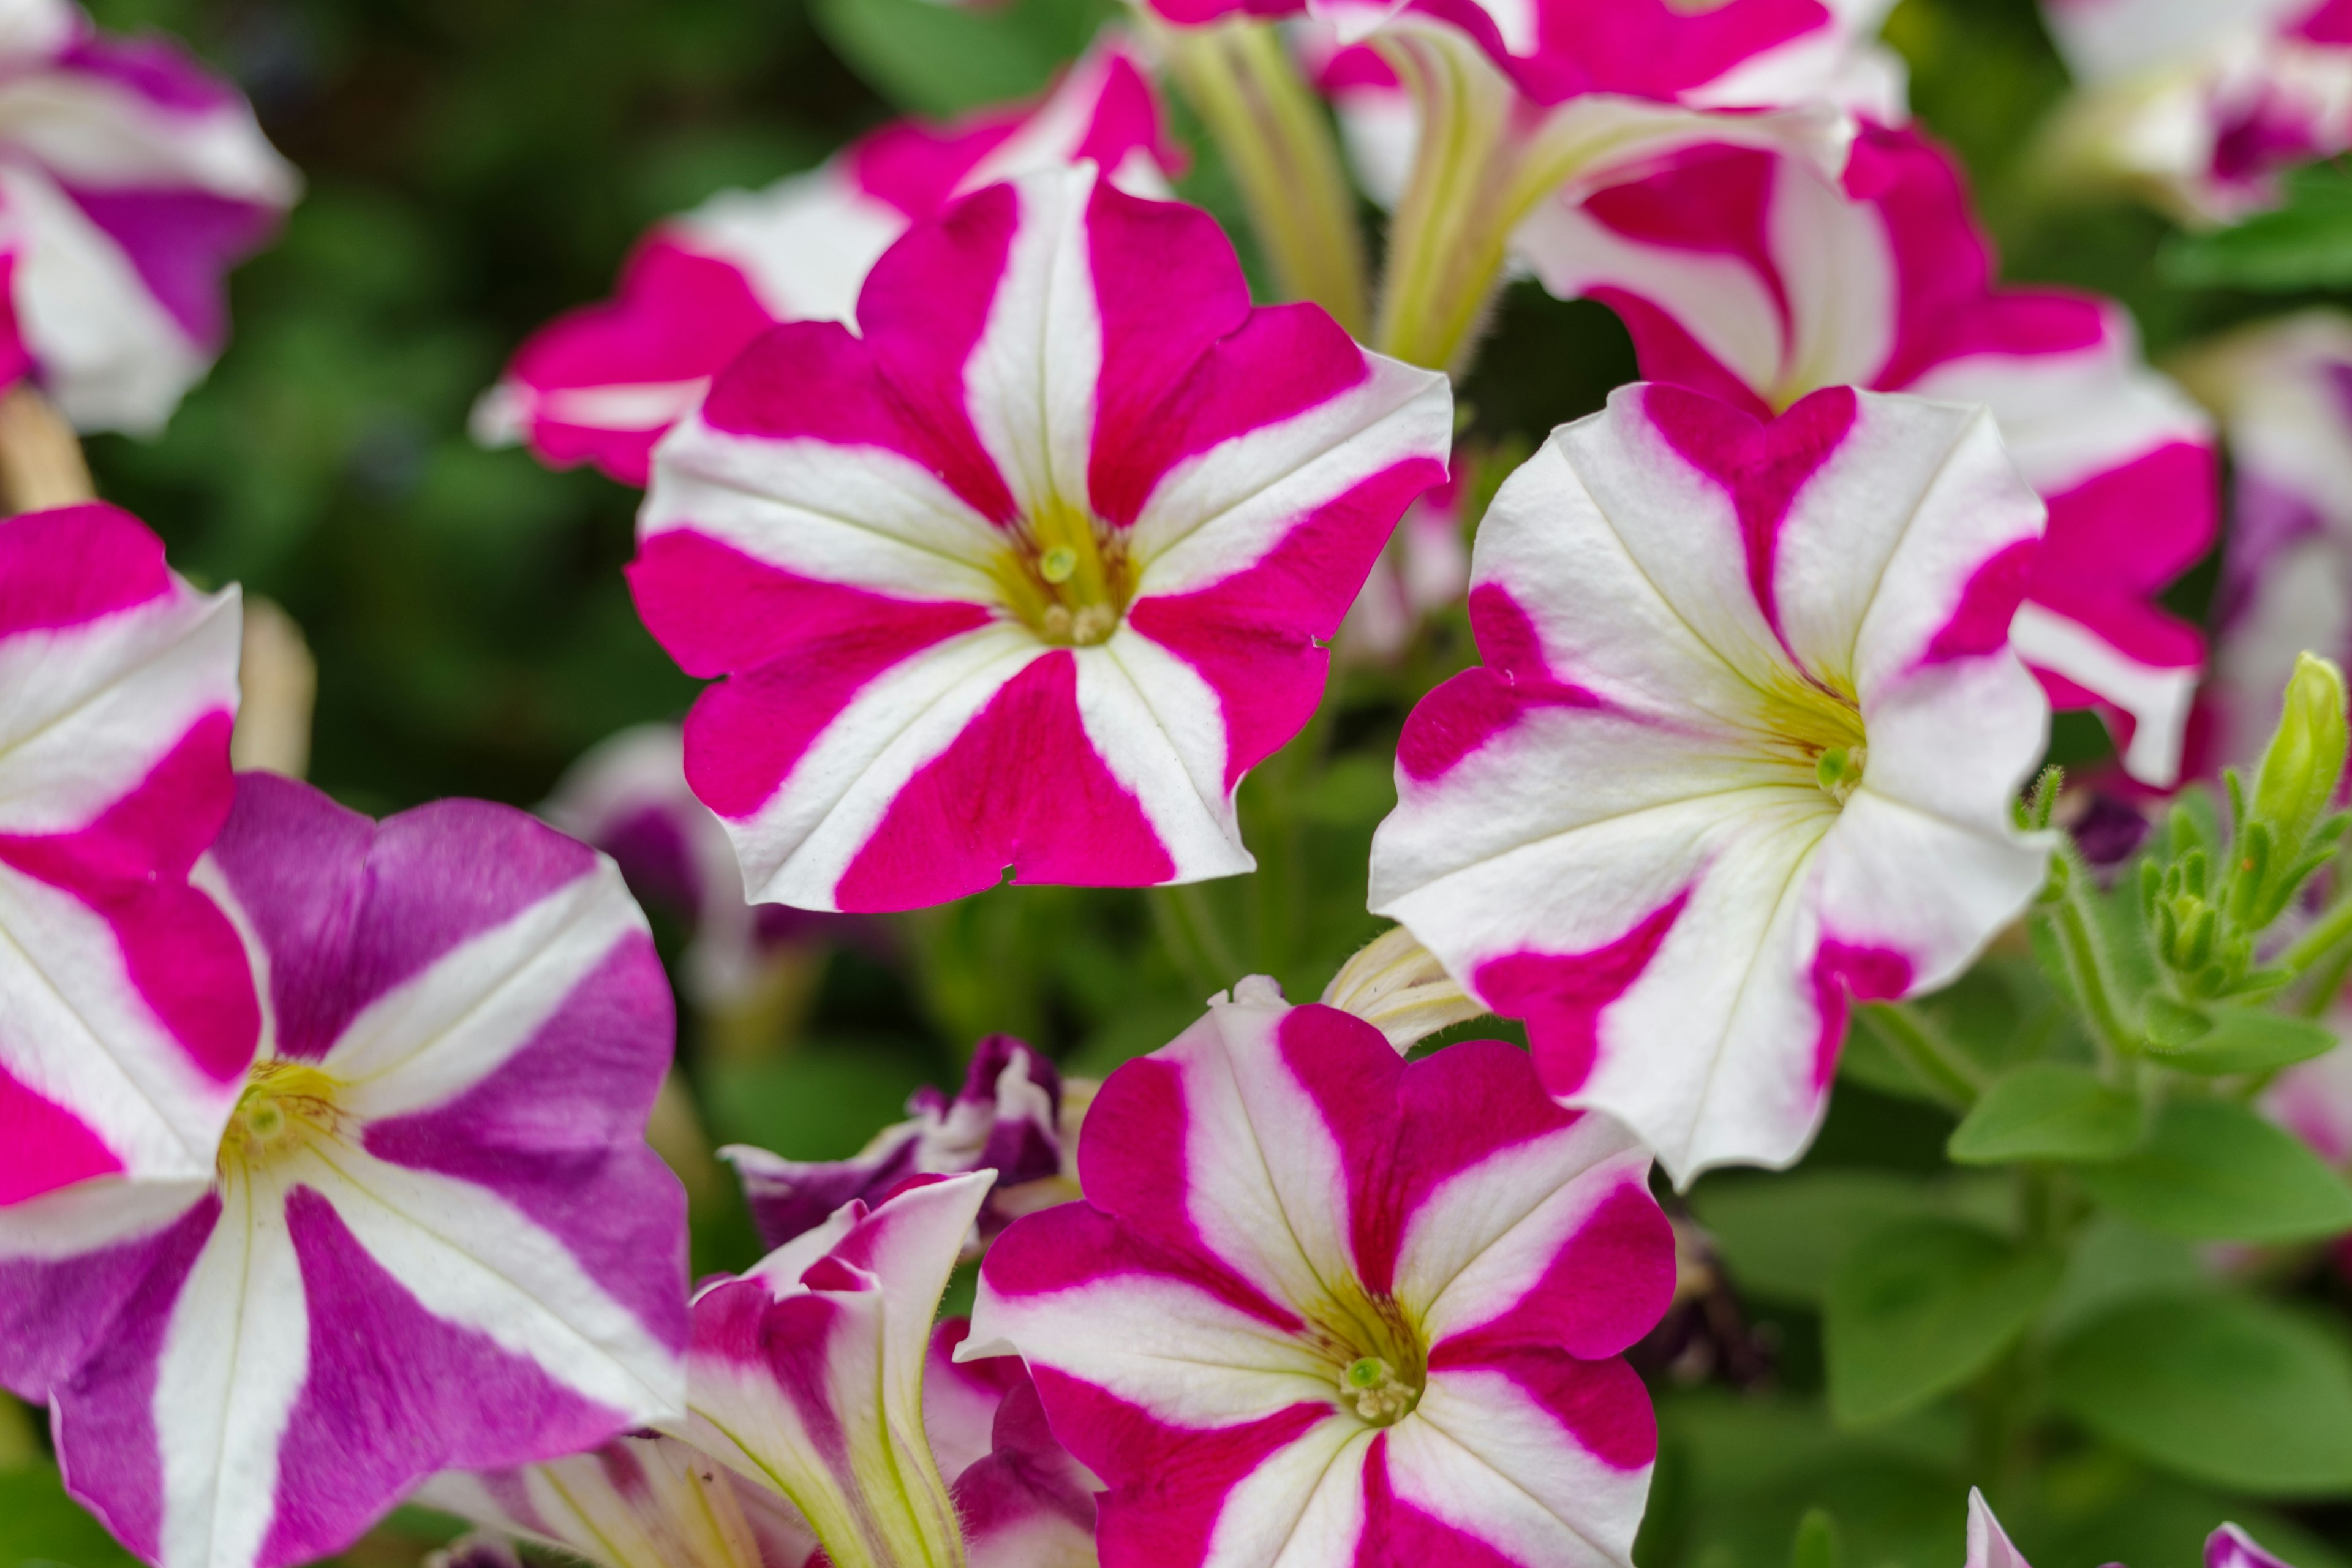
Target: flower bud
2306,757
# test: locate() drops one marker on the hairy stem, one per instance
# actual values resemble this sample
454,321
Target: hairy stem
1940,1064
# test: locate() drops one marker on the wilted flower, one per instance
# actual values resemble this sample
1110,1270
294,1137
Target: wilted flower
130,182
2201,106
431,1234
604,384
129,1009
1745,747
1011,1118
1751,278
1321,1295
1030,573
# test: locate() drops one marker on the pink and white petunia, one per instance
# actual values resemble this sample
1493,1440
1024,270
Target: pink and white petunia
1423,572
2282,390
649,1500
1326,1307
132,181
433,1235
2231,1547
1030,571
1752,277
1988,1544
1010,1117
2203,103
127,1013
1744,748
604,384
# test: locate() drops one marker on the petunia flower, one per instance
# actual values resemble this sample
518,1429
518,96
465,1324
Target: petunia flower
1032,570
2230,1547
2280,389
127,1013
1422,571
1988,1544
1323,1307
2201,106
604,383
1744,748
1011,1117
131,181
432,1235
1753,279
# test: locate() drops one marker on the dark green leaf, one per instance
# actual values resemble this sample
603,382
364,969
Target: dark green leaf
39,1523
1782,1236
2228,1389
2213,1171
1921,1307
938,60
2238,1040
2048,1110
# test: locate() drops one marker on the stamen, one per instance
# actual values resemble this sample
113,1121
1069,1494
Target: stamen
1371,1387
1839,771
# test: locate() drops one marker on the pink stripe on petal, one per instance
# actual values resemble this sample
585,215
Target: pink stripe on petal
56,1313
43,1146
1608,1286
1255,635
2116,540
74,564
1979,623
394,1394
1844,972
183,957
157,68
1073,1245
182,242
1761,465
922,311
917,167
1396,1535
1472,707
1602,1404
1668,352
977,809
1562,995
1166,1515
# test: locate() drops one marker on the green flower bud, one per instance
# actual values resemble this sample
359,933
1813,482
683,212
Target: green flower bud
2305,758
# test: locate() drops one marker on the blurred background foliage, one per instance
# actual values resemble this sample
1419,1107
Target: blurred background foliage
477,166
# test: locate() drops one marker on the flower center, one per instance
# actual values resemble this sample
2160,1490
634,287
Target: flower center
1377,1393
1818,728
1839,771
1066,576
284,1104
1377,1355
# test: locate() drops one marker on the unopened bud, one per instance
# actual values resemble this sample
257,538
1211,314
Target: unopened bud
2306,757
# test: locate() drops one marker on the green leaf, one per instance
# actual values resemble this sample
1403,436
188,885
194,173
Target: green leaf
2221,1388
2213,1171
1781,1237
1920,1308
39,1523
2048,1110
2304,244
2233,1040
943,60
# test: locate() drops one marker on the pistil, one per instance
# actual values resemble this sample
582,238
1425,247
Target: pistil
1066,576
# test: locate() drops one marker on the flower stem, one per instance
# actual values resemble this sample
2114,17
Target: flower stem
2076,923
1275,137
1447,240
2322,939
1943,1066
41,464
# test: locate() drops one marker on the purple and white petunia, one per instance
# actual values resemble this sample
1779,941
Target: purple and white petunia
131,181
1326,1307
1029,572
1988,1544
2203,103
1752,277
127,1013
1745,747
1011,1117
433,1235
2230,1547
604,384
2282,390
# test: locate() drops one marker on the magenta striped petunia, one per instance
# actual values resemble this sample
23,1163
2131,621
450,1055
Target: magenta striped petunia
602,385
1754,278
132,181
127,1015
1325,1307
1745,747
431,1234
1030,571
